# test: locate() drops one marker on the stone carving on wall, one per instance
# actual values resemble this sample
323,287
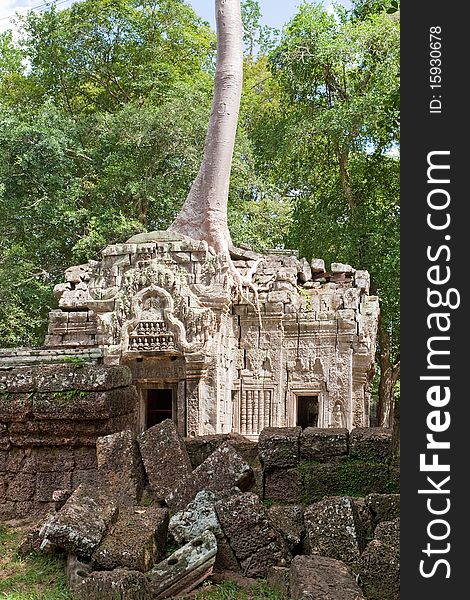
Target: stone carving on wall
162,295
255,410
155,328
338,416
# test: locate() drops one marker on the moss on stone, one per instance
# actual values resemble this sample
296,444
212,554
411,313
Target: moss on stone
354,478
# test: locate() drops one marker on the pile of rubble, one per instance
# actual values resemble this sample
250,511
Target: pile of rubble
147,500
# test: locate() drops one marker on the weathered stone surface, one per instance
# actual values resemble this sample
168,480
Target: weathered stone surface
223,470
161,446
383,507
81,523
120,466
388,532
283,485
135,541
342,478
76,571
185,569
317,265
21,487
120,584
278,579
322,578
364,524
15,407
341,268
278,447
48,483
84,406
198,516
331,529
251,535
305,271
56,378
201,447
371,444
323,444
379,564
289,521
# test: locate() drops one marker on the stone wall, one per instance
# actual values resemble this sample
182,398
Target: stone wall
163,305
50,419
295,466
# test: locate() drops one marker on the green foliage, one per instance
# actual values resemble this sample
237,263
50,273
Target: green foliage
256,36
229,590
99,55
33,577
327,132
102,135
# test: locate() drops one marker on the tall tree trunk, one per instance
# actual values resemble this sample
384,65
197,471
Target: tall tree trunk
389,375
204,214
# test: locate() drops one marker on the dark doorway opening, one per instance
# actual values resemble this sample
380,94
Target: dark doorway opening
159,406
307,411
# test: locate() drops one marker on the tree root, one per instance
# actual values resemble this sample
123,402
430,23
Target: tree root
240,282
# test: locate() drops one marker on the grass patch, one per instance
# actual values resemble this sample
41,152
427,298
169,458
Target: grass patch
34,577
232,591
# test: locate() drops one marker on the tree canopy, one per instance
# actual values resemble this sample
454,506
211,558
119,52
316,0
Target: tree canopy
104,109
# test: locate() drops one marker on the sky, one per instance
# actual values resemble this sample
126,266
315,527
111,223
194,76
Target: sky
275,12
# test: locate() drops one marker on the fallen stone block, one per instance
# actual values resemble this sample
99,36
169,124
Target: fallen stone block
379,564
384,507
278,447
364,524
200,516
197,517
223,470
283,485
323,444
388,532
120,466
185,569
317,265
136,541
331,529
278,579
119,584
75,571
201,447
371,444
81,523
253,538
322,578
161,446
289,521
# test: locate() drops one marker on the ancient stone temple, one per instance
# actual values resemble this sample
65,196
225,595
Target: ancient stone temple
298,352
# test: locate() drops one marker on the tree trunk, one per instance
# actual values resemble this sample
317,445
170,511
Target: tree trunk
389,375
204,213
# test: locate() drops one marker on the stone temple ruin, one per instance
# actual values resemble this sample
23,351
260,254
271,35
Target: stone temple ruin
299,354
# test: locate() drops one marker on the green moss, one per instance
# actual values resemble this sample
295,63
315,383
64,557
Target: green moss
345,478
65,396
77,361
268,503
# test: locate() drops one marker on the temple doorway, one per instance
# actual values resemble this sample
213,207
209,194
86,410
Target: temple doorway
159,406
307,411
